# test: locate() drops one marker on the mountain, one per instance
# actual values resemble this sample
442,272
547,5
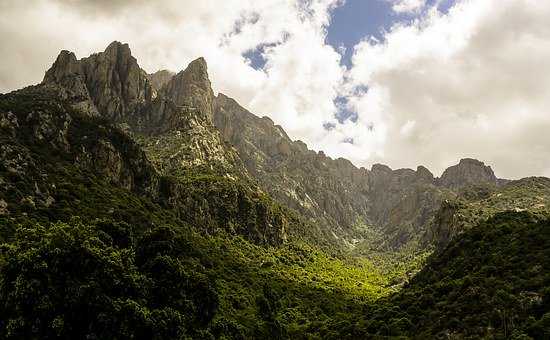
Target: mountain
137,205
480,203
334,193
183,126
55,159
466,173
490,283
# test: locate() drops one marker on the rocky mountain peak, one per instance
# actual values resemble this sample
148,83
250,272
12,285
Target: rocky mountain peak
65,63
117,48
424,173
198,68
467,172
381,168
110,83
191,88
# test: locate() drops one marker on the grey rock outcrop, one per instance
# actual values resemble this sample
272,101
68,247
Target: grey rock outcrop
191,88
112,80
169,111
467,172
400,204
332,192
160,78
52,157
181,125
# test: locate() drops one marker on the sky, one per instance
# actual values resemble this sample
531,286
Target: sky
399,82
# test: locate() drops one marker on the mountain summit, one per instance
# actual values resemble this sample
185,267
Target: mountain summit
468,172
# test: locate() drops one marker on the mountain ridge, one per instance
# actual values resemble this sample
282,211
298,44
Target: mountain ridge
182,125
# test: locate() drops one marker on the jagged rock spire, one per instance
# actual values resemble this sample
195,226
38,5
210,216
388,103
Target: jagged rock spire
112,84
111,81
192,88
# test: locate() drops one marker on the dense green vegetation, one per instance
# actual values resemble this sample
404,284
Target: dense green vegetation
492,282
106,279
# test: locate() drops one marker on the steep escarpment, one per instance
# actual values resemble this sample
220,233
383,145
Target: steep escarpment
350,201
185,129
109,83
479,203
305,180
177,115
62,162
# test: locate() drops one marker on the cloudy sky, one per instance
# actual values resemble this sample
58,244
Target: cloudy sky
400,82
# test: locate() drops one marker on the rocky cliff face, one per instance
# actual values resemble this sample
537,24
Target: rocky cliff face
467,172
184,128
57,159
172,114
482,202
160,78
110,83
333,193
401,205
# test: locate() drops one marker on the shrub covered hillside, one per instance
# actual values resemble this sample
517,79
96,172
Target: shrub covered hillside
102,279
492,282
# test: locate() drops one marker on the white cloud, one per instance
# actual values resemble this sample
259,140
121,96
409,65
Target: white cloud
407,6
296,88
475,82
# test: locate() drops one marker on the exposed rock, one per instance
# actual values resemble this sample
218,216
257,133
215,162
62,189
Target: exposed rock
174,111
182,126
101,152
425,174
111,80
191,88
467,172
334,193
160,78
3,208
466,211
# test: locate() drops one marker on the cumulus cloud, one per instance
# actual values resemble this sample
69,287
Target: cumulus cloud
474,82
407,6
470,83
296,87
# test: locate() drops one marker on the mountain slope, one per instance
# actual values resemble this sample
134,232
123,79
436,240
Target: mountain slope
350,201
184,128
45,143
112,249
479,203
112,85
489,283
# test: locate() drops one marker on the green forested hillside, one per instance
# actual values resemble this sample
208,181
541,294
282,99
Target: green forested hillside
106,279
